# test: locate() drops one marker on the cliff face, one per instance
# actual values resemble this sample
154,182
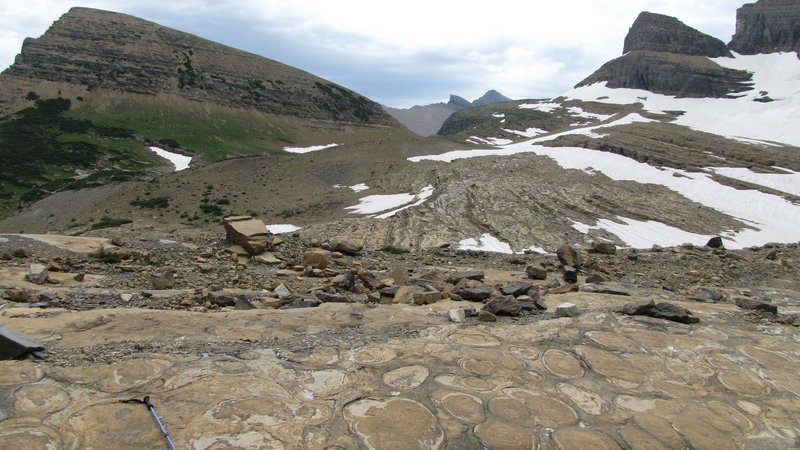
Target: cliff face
664,56
660,33
111,51
767,26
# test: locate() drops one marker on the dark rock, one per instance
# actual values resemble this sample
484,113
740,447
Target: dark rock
666,311
486,316
14,344
536,272
454,278
715,242
611,289
638,308
79,277
596,278
478,293
605,248
568,256
20,253
508,306
660,33
345,281
672,312
327,297
758,305
302,303
389,291
570,274
223,300
164,280
516,289
767,26
243,304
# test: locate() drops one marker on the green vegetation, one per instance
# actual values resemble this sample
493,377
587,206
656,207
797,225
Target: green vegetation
155,202
394,250
108,222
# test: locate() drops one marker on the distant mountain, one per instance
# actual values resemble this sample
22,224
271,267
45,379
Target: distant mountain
427,120
767,26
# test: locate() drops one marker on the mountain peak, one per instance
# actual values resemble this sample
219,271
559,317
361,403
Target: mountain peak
767,26
660,33
490,97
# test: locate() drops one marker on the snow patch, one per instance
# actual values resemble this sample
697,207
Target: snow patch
489,140
486,243
644,234
577,111
529,133
391,204
180,162
313,148
543,107
282,228
498,115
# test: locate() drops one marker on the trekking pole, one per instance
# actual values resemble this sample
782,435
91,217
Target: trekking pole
146,401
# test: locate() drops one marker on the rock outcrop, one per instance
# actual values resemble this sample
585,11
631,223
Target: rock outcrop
767,26
665,56
670,74
102,50
660,33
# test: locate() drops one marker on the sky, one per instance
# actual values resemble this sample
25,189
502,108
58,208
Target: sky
404,53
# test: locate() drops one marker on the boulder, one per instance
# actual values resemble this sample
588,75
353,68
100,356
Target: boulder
715,242
753,304
348,247
568,256
317,258
505,305
611,289
405,293
536,272
486,316
163,280
605,248
454,278
37,274
570,274
427,297
250,233
704,294
516,289
478,293
566,310
282,291
457,315
328,297
369,279
665,310
267,258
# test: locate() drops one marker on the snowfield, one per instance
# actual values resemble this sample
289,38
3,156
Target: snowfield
391,204
180,162
313,148
770,218
281,228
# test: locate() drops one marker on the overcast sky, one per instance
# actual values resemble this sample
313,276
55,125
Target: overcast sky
404,53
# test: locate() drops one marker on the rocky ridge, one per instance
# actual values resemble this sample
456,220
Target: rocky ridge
427,120
767,26
358,348
89,50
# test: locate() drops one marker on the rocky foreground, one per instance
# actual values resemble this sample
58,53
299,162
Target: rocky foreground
326,345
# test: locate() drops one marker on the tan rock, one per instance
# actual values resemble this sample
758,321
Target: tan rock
250,233
427,297
405,294
317,258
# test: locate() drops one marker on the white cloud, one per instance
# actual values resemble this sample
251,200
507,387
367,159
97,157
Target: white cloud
523,49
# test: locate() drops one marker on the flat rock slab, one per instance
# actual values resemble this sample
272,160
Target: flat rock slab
77,244
353,376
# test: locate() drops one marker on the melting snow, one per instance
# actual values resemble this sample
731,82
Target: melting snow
529,133
643,234
282,228
498,115
180,162
391,204
577,111
776,74
486,243
489,140
313,148
543,107
784,182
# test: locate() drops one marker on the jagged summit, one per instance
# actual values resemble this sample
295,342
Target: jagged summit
660,33
767,26
665,56
490,97
427,120
101,50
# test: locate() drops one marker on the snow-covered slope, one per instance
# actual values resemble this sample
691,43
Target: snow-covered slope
748,117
